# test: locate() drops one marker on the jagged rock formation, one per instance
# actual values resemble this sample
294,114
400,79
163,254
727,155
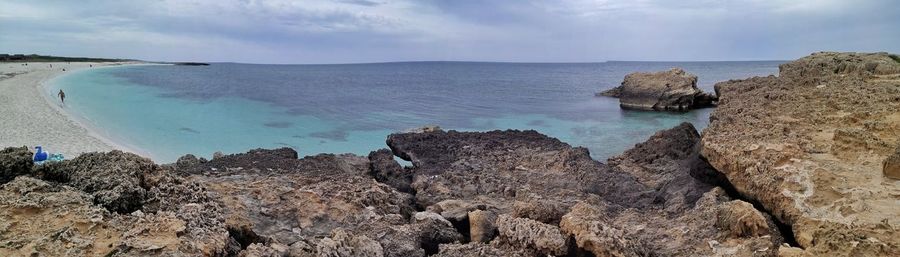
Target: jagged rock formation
672,90
546,192
511,193
812,146
324,205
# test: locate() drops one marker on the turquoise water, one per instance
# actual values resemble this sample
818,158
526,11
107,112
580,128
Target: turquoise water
167,111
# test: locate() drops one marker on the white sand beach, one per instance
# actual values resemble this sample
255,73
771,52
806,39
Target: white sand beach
27,116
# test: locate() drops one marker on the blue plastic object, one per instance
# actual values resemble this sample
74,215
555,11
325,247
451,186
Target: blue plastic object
56,157
40,156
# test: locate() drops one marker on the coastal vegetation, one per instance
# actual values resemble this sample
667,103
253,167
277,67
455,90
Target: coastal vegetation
50,58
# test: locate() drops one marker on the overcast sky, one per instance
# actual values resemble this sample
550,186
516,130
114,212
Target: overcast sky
342,31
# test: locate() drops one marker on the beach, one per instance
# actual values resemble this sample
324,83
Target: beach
29,118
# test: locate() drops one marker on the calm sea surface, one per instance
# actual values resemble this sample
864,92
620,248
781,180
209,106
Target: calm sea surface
168,111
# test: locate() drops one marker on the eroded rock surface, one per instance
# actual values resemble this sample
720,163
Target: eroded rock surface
660,198
41,218
114,178
672,90
323,205
810,146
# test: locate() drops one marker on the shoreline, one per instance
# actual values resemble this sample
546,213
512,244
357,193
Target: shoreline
92,129
31,118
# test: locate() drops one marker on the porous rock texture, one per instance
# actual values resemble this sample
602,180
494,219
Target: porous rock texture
74,212
322,205
498,193
657,199
14,161
672,90
810,144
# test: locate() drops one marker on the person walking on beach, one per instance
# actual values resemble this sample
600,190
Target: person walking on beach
62,96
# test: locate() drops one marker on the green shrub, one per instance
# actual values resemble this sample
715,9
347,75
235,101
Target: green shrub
895,57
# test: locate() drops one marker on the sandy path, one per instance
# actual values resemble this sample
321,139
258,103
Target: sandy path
28,118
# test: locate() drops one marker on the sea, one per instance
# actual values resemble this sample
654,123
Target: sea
167,111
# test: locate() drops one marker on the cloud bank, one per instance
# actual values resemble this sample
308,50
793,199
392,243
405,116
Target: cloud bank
343,31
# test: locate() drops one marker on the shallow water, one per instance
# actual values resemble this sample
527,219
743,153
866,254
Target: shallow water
168,111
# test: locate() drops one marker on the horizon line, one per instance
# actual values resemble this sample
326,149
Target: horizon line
446,61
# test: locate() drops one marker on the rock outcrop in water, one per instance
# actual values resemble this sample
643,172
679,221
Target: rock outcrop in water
672,90
813,147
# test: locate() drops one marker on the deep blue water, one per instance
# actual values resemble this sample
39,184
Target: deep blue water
168,111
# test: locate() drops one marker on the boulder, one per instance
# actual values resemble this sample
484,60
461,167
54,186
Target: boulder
482,226
672,90
385,169
593,232
114,179
742,220
529,233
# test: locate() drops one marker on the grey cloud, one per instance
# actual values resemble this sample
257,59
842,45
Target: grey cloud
320,31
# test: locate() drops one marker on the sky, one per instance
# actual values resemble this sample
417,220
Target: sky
352,31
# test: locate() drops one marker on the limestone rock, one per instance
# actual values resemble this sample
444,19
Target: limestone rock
31,223
187,160
672,90
113,178
532,234
14,161
386,170
483,250
261,250
482,225
592,232
544,210
49,219
287,199
424,129
497,168
741,219
809,145
341,244
682,217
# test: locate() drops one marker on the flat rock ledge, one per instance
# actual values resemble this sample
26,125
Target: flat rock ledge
672,90
817,147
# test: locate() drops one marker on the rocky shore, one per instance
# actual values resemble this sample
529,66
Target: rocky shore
787,167
812,146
